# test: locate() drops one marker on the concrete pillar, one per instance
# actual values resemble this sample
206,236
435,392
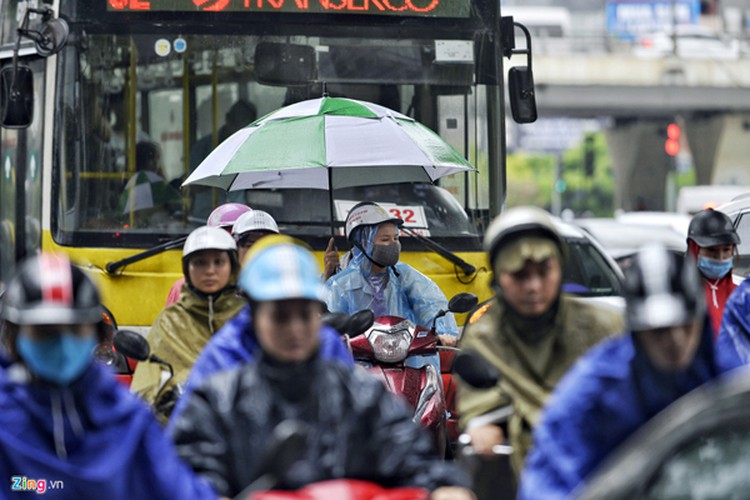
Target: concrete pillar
732,161
640,164
703,133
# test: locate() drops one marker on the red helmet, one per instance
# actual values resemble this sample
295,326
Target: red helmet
50,290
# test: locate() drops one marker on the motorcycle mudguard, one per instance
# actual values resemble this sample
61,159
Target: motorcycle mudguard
344,489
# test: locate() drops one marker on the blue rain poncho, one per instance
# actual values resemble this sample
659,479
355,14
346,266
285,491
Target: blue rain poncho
734,334
608,394
236,344
404,292
91,440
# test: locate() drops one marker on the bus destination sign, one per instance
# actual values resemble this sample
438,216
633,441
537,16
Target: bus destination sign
414,8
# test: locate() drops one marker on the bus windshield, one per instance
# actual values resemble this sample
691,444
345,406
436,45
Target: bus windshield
140,111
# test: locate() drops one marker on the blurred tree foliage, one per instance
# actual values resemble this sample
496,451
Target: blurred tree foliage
531,179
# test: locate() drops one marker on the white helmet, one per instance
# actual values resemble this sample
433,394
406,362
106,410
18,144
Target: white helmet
208,238
368,213
257,220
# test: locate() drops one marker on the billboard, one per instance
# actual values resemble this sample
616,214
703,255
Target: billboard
627,19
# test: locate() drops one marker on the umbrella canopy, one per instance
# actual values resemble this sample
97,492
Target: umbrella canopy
328,143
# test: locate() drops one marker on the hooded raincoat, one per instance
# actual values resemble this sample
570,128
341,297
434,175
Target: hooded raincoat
90,440
532,357
179,334
612,391
356,429
734,334
400,290
236,344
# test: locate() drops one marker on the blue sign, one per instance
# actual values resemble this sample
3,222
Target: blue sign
627,19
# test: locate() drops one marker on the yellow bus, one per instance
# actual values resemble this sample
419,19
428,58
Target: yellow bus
111,85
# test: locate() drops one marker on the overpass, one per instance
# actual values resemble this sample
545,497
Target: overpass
710,98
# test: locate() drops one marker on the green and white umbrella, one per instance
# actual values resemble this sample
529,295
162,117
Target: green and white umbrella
328,143
147,190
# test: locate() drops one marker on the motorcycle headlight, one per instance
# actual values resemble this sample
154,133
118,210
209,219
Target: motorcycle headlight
390,346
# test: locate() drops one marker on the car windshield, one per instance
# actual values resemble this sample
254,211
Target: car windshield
713,466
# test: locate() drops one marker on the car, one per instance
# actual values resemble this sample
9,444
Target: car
738,211
693,42
678,222
622,240
695,449
692,199
589,271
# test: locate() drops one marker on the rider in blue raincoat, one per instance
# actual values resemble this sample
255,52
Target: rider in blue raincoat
236,344
624,381
375,279
734,334
65,422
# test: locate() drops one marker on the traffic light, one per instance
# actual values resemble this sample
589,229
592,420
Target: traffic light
588,156
672,144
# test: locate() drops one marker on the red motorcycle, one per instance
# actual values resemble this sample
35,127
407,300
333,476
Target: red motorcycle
383,350
344,489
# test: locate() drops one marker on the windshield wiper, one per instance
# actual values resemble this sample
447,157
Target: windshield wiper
439,249
111,267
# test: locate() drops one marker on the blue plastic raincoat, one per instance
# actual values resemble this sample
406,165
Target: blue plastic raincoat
406,292
608,394
235,343
734,334
92,440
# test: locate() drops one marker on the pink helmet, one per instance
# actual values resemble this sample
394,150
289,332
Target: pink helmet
227,214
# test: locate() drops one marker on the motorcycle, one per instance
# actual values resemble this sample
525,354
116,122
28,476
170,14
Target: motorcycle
287,442
383,349
136,347
492,474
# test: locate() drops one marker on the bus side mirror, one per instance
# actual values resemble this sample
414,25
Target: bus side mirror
16,96
17,80
520,78
521,94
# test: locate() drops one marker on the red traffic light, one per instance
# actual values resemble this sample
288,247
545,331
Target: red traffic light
673,131
672,144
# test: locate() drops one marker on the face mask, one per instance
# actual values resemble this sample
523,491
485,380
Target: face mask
386,255
714,269
61,359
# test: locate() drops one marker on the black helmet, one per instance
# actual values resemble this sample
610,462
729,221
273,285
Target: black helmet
521,221
710,227
662,289
49,290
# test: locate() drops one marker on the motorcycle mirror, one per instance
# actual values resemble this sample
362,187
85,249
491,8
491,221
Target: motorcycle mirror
463,303
288,441
475,370
132,345
337,321
360,322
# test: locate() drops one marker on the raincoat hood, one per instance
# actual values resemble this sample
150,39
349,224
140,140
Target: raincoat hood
94,437
179,334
